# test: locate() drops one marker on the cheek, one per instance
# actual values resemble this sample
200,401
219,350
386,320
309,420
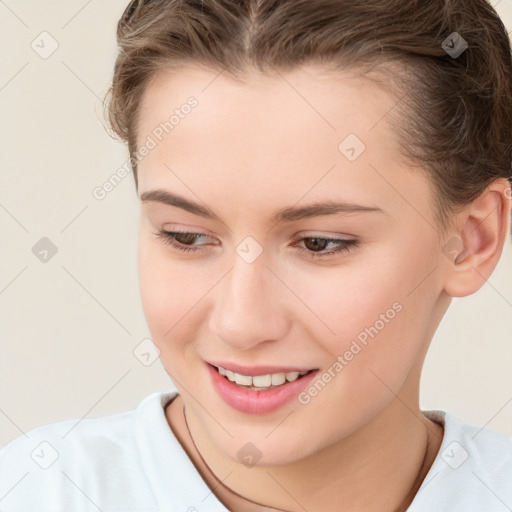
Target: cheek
161,291
380,330
380,313
172,296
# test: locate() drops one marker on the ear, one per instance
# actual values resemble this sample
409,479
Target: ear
472,249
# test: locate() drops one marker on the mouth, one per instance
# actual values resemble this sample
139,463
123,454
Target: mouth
258,390
259,381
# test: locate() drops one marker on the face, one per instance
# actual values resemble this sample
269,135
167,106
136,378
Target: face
348,292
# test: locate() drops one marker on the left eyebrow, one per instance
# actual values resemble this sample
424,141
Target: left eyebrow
287,214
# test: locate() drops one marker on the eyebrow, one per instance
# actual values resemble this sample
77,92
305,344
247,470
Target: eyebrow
287,214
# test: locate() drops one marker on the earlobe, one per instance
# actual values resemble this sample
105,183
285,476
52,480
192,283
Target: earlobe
473,250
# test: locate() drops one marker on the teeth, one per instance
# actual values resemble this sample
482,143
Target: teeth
243,380
260,381
278,379
292,376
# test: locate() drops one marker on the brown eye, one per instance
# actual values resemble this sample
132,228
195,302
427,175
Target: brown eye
315,246
183,241
185,238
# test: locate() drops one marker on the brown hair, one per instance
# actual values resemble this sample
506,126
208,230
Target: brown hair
454,112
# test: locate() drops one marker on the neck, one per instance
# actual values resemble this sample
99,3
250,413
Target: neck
388,457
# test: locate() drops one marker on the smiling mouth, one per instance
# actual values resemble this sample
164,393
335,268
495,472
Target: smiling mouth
260,382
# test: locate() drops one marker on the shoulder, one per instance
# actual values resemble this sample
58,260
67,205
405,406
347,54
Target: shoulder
71,462
472,471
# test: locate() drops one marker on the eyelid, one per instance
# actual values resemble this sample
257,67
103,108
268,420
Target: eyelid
195,233
344,245
331,235
180,228
297,238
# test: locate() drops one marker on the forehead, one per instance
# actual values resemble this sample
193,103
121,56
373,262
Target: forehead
327,100
309,108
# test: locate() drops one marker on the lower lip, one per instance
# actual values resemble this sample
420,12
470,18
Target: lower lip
257,402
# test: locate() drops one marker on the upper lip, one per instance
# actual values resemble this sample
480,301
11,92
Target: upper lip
258,370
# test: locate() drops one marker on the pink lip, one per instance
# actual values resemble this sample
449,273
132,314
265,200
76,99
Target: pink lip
257,370
257,402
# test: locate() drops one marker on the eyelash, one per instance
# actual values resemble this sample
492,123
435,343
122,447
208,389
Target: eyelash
345,245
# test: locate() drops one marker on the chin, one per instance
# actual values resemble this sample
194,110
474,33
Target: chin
260,452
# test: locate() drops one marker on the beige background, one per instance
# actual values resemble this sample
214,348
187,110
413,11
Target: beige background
68,327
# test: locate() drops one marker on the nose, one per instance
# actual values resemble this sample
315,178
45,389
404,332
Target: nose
249,306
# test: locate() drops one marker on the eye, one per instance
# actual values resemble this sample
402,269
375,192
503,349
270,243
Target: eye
344,245
179,239
315,246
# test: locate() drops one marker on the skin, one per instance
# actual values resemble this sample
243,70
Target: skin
247,150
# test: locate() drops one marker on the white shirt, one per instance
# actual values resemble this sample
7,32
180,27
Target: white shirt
133,462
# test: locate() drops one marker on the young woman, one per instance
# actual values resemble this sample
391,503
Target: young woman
317,180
